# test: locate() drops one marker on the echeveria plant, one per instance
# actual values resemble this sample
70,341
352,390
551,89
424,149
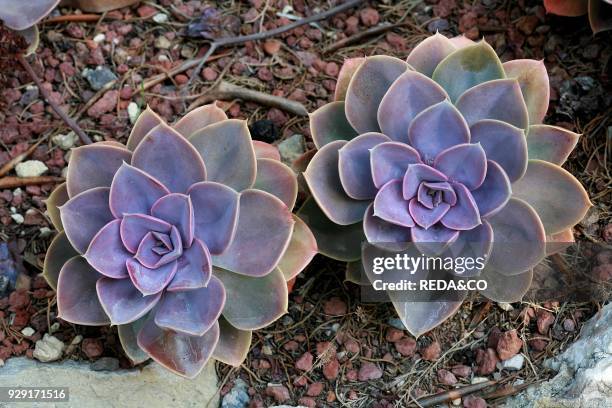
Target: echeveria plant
599,11
447,146
184,238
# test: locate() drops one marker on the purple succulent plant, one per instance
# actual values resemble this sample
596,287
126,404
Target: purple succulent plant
184,238
599,11
445,147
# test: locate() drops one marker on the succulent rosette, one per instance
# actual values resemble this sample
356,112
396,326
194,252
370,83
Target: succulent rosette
599,11
184,239
443,149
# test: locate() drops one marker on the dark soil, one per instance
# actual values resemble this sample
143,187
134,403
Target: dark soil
329,350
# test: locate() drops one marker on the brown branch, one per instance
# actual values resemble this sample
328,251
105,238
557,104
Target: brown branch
229,41
360,36
19,158
226,91
67,119
14,182
450,395
77,18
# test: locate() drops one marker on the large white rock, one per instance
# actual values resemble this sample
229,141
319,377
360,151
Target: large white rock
49,348
151,386
30,168
584,378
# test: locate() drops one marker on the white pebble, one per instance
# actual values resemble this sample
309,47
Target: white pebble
45,232
160,18
49,348
65,142
514,363
18,218
99,38
133,112
478,380
30,168
28,331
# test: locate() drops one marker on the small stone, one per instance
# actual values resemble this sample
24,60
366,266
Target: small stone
92,348
332,69
106,104
279,392
446,377
514,363
209,74
160,18
48,349
105,364
544,320
369,371
162,43
238,396
272,47
431,352
538,344
509,345
28,331
65,142
334,306
267,350
292,148
331,369
307,402
369,17
462,371
569,325
486,361
98,77
472,401
478,380
527,24
315,389
304,363
406,346
99,38
30,168
133,112
18,218
146,11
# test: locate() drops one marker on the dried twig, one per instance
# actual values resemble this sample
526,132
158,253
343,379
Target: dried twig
14,182
450,395
227,91
19,158
229,41
77,18
360,36
67,119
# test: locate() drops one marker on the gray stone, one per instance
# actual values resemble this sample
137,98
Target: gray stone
66,141
584,371
162,43
513,364
30,168
105,364
99,77
149,386
48,349
238,397
292,148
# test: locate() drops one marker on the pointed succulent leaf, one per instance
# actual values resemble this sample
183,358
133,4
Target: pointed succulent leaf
19,15
153,153
436,234
58,253
77,301
367,88
219,141
409,95
556,243
437,128
215,211
199,118
151,255
354,166
122,302
474,243
335,241
421,317
134,227
84,215
329,123
265,150
550,143
463,163
504,144
262,218
233,345
391,206
390,160
150,281
426,56
246,308
323,178
461,41
191,312
503,288
517,229
504,102
57,198
94,165
176,209
494,192
128,334
302,248
106,252
417,173
533,80
146,122
379,231
345,75
558,198
180,353
600,15
426,217
468,67
193,270
464,215
278,180
569,8
134,192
